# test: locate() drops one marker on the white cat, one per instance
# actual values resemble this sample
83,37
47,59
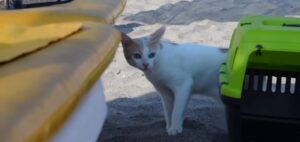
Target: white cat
175,70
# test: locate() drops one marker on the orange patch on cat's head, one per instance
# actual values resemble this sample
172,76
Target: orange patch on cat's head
130,46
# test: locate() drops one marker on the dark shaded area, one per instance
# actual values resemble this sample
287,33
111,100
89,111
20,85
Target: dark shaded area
141,119
185,12
19,4
127,28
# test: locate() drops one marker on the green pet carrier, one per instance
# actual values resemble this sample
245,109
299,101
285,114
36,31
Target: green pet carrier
260,80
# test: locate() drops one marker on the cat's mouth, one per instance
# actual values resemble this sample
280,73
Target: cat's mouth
144,68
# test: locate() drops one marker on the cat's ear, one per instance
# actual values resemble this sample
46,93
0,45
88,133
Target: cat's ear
126,40
157,35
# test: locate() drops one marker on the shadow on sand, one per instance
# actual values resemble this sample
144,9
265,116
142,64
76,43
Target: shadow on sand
186,12
141,119
127,28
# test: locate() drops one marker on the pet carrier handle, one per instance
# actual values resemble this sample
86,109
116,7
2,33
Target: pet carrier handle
258,50
291,25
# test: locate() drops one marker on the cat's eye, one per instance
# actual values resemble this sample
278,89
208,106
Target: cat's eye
151,55
137,56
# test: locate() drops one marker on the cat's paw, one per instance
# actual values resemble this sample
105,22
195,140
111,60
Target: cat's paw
167,127
174,130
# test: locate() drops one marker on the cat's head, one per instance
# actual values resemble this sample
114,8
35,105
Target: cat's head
142,52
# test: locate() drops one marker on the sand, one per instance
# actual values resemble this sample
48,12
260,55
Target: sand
134,110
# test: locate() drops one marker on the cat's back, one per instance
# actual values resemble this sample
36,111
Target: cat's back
192,54
190,59
199,62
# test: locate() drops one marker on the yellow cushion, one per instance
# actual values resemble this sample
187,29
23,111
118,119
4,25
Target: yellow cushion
104,11
38,91
16,40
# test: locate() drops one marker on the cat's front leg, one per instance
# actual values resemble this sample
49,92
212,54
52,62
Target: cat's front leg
167,99
182,94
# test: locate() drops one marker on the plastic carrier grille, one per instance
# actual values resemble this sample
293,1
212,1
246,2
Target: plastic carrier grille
271,94
259,81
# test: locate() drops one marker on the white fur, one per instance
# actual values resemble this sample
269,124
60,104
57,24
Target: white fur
182,70
177,71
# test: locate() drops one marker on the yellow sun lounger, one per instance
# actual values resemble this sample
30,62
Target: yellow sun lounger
50,62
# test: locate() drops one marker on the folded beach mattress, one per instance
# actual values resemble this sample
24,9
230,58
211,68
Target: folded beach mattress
41,88
51,60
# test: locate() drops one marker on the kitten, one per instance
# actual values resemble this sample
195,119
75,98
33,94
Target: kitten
175,70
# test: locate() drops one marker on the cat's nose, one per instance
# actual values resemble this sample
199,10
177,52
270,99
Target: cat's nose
145,65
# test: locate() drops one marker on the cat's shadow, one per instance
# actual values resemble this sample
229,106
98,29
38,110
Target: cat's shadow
141,119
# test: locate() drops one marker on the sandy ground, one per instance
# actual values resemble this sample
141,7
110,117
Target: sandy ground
134,109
